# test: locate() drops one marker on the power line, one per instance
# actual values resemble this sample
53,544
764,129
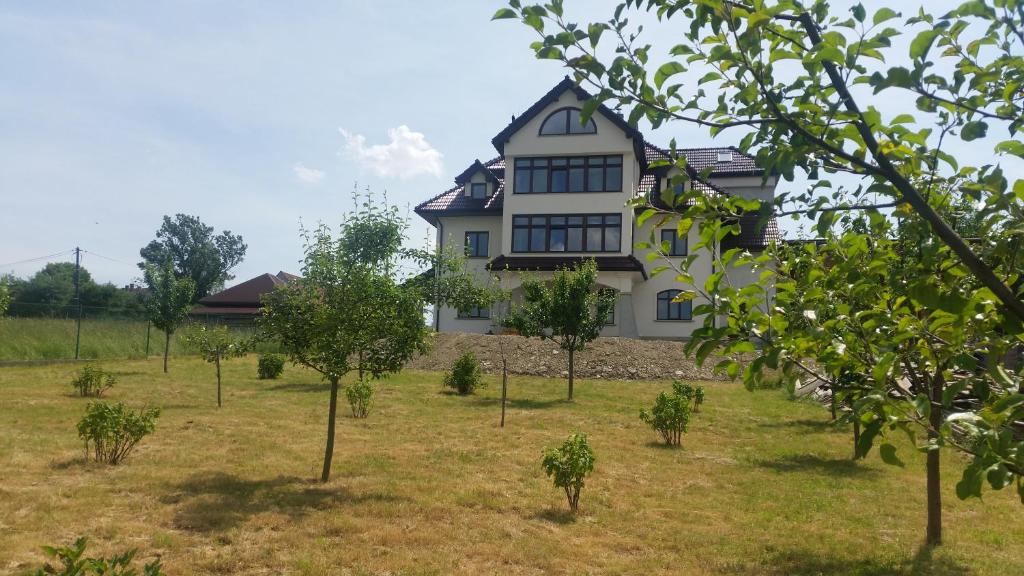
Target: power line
108,258
36,259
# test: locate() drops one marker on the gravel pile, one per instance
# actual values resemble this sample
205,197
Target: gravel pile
612,358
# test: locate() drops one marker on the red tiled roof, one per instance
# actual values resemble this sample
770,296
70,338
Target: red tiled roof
225,311
455,200
247,293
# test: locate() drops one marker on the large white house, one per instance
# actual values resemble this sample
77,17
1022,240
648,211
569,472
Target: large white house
557,193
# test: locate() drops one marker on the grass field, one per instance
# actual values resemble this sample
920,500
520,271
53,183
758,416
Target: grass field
430,485
102,338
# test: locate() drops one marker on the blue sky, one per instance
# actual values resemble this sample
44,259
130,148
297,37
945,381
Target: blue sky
252,115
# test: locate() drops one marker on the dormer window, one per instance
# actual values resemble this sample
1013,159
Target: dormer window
478,190
724,156
566,121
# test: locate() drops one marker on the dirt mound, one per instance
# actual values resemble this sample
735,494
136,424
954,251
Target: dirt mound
613,358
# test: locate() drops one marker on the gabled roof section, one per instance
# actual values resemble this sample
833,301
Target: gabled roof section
455,201
248,293
552,96
755,234
477,166
742,164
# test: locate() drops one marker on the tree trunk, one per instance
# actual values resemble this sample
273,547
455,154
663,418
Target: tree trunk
856,435
332,412
217,362
504,389
571,373
833,403
934,534
167,349
360,365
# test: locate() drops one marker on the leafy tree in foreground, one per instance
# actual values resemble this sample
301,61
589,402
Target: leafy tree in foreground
920,350
5,296
196,252
217,344
170,299
350,311
569,310
568,466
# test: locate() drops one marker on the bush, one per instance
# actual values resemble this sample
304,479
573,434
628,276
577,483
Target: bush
359,396
466,375
569,465
694,394
270,366
73,563
93,380
113,430
670,416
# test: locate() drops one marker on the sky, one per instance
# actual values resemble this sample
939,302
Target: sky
256,116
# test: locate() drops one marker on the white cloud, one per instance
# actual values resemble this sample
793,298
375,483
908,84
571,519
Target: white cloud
407,155
308,175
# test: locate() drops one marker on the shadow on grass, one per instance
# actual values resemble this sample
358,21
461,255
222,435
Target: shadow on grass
816,465
662,445
808,425
316,387
213,501
808,563
556,515
522,403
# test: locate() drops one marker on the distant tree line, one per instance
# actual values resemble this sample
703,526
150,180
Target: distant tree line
51,292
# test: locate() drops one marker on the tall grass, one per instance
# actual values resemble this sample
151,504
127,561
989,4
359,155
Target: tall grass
54,339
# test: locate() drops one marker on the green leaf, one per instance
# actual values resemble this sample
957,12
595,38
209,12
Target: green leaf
858,12
665,71
922,43
884,14
973,130
504,14
888,454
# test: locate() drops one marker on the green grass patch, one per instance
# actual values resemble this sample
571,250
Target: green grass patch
429,484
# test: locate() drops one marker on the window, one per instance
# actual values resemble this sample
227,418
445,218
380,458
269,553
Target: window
669,310
478,189
567,233
676,244
725,156
476,244
610,319
566,121
568,174
475,312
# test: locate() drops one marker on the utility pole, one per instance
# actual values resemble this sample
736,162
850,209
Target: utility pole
78,299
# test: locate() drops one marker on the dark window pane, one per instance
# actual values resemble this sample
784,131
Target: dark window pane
555,123
537,243
613,179
520,220
575,220
576,128
470,243
593,239
559,179
614,160
557,240
540,162
595,179
558,161
611,239
479,190
558,220
575,243
595,160
577,161
540,180
612,219
539,220
522,162
519,239
662,308
576,180
522,181
595,220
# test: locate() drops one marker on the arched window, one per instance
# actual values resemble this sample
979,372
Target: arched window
669,310
566,121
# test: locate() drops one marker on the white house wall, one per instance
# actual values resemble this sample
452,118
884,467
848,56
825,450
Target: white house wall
452,234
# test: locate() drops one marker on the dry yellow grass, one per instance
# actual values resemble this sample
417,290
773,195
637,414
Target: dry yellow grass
430,485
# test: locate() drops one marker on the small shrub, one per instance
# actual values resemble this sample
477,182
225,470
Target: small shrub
669,416
73,562
359,394
92,380
569,465
694,394
112,430
466,375
270,366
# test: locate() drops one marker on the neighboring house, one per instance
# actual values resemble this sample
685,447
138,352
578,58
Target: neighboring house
565,198
240,304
